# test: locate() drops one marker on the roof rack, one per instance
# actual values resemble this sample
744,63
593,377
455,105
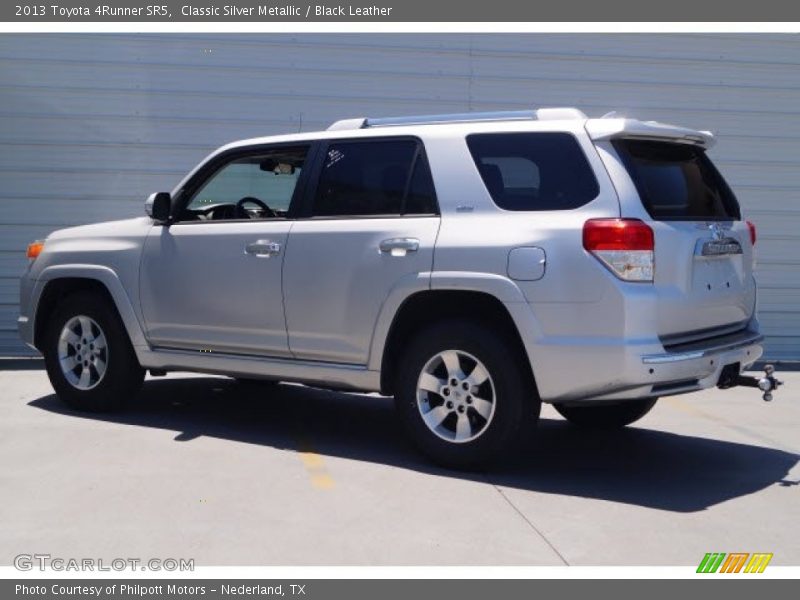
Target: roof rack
541,114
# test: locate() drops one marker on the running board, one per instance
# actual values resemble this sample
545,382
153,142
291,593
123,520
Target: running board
324,374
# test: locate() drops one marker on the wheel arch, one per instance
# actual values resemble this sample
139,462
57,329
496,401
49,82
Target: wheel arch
423,308
57,282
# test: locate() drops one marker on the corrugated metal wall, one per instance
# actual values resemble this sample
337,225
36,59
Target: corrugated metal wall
90,124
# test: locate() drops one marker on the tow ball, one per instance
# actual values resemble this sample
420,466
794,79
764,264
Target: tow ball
731,377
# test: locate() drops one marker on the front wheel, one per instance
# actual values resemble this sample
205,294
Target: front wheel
88,356
606,416
463,394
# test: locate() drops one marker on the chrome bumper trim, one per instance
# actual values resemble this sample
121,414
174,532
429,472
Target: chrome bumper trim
672,357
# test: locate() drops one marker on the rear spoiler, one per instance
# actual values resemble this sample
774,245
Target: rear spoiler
609,129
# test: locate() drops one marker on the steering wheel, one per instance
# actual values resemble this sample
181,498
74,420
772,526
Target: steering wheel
241,213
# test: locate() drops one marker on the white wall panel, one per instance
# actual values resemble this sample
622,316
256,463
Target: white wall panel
90,124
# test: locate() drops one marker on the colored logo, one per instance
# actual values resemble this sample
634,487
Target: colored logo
736,562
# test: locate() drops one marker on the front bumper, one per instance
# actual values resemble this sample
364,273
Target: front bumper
26,317
25,328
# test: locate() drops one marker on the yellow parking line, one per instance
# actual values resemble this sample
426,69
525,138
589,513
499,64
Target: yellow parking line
679,404
315,468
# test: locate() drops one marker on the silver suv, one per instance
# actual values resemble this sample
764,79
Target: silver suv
472,266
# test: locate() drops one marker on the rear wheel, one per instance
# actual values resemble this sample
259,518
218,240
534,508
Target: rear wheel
89,358
463,394
606,416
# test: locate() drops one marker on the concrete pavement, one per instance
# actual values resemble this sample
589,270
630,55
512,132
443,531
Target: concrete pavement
205,468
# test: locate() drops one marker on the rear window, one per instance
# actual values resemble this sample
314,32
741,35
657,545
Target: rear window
677,181
533,171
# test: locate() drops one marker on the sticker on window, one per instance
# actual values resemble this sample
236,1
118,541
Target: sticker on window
334,156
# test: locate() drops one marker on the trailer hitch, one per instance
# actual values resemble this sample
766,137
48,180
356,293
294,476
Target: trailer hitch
731,377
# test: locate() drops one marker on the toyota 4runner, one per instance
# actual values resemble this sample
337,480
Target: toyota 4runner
472,266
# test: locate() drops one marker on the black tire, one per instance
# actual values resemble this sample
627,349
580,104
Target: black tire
123,375
607,416
516,403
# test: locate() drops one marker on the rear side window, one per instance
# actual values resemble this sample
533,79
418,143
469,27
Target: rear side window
533,171
421,197
677,181
374,178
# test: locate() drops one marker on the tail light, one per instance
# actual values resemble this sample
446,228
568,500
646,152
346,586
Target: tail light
624,246
752,229
35,249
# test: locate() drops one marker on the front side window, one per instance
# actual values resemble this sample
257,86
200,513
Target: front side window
260,186
533,171
374,178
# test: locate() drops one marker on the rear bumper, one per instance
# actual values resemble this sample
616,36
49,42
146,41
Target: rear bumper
698,369
578,370
722,345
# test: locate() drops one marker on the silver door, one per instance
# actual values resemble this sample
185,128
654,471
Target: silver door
212,280
372,224
338,273
216,286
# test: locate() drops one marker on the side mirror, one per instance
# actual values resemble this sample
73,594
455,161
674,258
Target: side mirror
158,206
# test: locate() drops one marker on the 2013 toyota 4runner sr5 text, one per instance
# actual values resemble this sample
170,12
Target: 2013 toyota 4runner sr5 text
472,266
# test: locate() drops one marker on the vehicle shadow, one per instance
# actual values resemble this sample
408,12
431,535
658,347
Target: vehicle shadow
636,466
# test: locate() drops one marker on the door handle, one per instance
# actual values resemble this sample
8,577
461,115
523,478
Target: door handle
399,246
264,248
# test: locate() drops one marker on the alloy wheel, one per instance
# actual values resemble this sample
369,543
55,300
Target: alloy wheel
83,352
456,396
